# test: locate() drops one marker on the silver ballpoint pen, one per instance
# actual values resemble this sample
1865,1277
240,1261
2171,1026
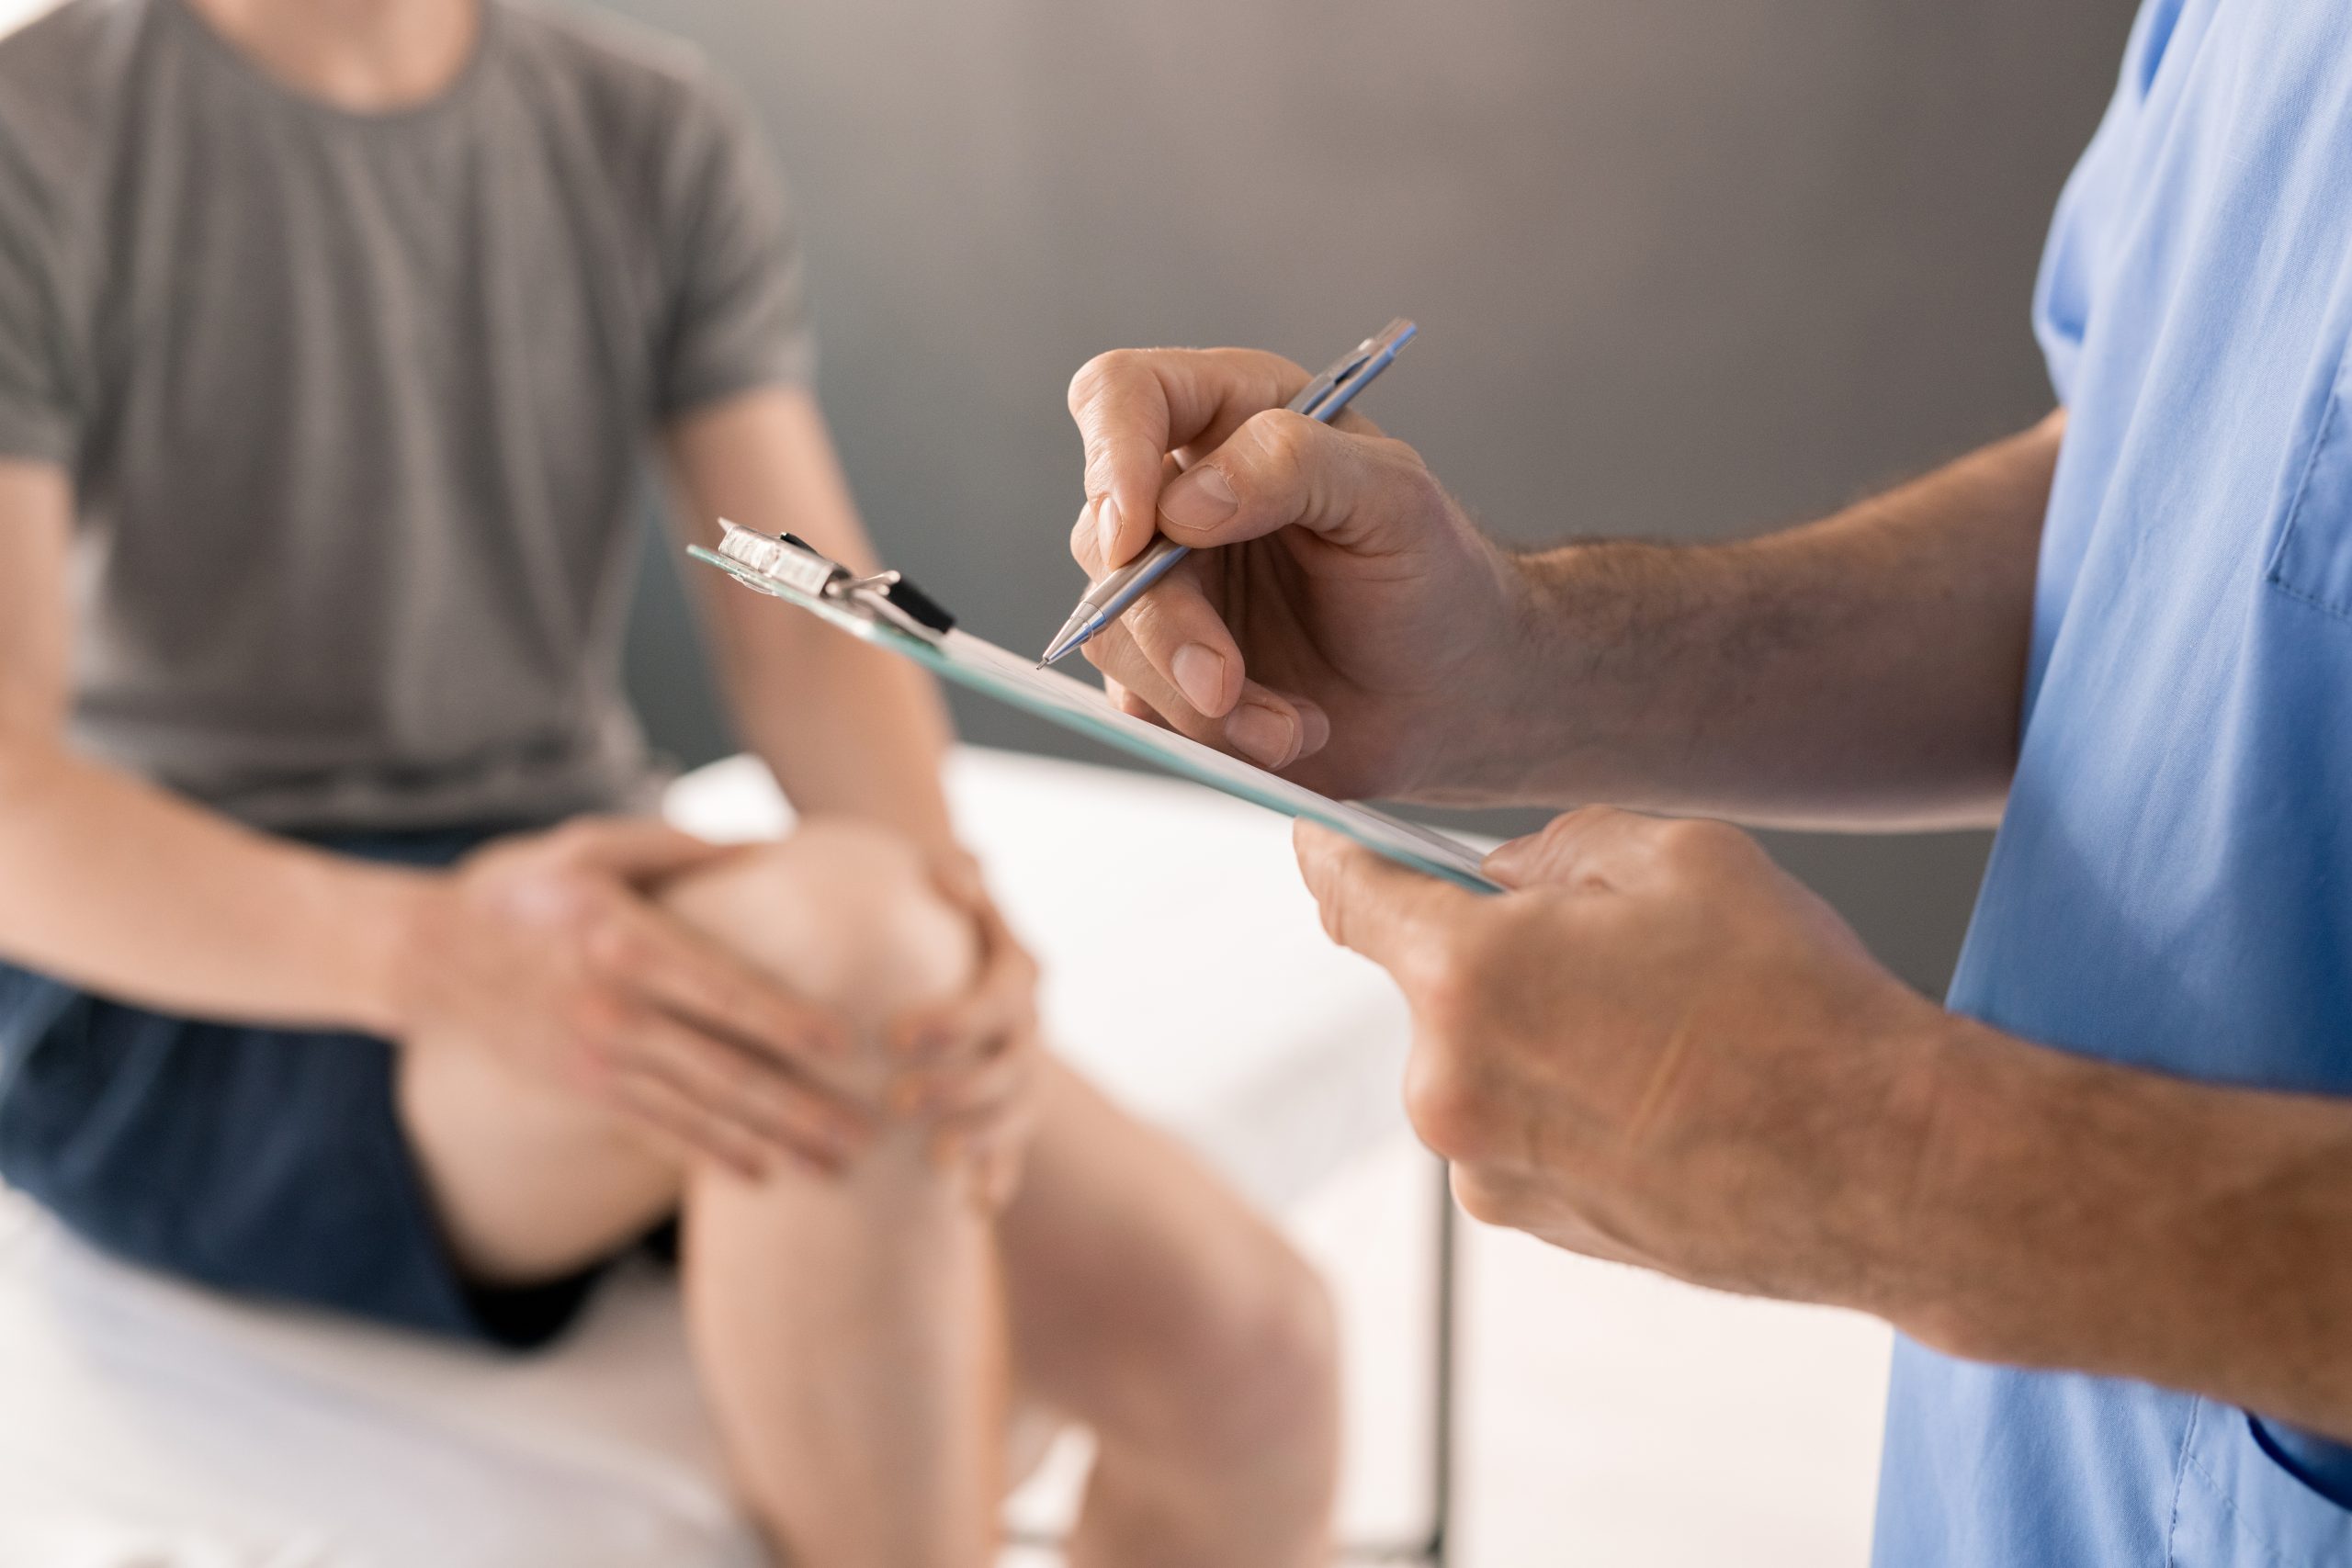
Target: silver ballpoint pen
1322,399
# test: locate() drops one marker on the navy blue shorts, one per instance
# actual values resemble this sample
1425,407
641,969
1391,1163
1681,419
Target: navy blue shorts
264,1161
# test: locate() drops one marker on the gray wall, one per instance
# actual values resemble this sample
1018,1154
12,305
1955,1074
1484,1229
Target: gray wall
1684,268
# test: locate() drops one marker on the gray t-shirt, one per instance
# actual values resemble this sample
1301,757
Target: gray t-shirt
358,406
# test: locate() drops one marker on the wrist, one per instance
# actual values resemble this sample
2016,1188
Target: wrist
1931,1178
1570,672
379,922
2047,1191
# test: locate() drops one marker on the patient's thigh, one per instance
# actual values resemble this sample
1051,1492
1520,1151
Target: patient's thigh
529,1181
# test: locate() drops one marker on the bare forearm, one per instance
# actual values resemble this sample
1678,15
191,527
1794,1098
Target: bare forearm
1863,672
848,730
116,886
2076,1214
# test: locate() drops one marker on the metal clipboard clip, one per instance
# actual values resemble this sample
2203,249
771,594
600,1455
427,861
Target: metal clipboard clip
769,562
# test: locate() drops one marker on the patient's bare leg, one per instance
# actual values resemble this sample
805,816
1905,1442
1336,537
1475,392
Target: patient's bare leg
1149,1302
853,1334
850,1332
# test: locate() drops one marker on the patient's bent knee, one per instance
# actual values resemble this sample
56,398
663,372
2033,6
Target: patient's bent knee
844,913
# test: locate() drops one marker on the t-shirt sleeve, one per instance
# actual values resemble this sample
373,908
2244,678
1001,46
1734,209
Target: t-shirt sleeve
39,418
2082,234
738,317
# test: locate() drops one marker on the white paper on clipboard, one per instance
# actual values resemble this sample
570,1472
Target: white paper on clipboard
983,666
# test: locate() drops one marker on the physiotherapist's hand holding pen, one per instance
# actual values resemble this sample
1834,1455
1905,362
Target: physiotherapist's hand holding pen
1656,1046
1369,602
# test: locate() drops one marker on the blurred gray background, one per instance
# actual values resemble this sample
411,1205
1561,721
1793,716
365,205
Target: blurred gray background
1684,268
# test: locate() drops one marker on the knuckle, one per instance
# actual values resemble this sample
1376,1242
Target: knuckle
1284,437
1146,621
1405,457
558,900
601,1021
1134,706
1409,472
615,944
1699,839
1682,833
1445,1105
1100,374
1580,847
1583,819
1447,977
1481,1200
1114,651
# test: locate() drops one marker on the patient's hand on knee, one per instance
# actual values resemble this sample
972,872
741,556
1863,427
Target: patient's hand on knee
545,953
914,961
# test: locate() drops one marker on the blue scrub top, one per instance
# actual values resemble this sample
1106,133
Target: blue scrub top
2172,886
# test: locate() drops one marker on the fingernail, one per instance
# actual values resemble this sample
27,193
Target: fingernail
1315,728
1107,530
1200,675
1202,496
1265,735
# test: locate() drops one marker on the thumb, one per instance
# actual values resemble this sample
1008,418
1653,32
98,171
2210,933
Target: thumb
1372,905
1281,469
1573,849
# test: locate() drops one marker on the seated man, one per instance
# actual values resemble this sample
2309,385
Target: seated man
330,336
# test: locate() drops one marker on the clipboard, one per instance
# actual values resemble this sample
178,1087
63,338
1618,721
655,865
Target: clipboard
890,612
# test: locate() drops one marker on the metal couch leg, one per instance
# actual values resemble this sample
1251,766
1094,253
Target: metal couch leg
1441,1412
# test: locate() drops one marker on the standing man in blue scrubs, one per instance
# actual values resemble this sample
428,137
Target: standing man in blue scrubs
2106,1192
